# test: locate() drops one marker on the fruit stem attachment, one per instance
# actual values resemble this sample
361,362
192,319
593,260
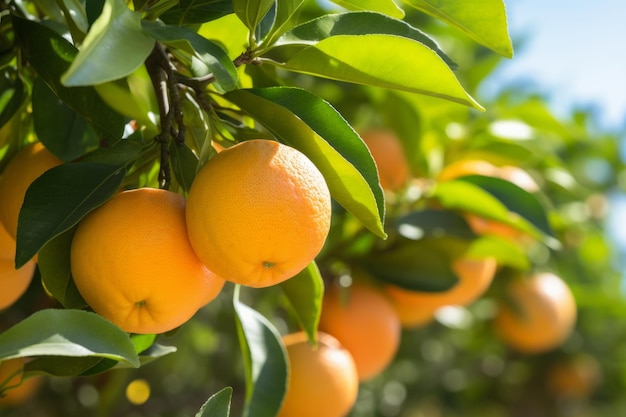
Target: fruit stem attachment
164,80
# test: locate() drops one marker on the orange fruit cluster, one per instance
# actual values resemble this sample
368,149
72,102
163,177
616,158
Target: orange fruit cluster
257,214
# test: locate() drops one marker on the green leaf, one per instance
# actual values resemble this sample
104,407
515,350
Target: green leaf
285,16
515,198
304,293
422,265
190,12
184,164
251,12
59,199
505,252
265,361
218,405
76,333
64,132
358,23
114,47
65,365
433,223
123,153
12,94
482,20
210,54
50,55
381,60
315,128
54,266
500,200
388,7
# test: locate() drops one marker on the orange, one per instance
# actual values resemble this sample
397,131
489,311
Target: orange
417,307
18,391
363,321
13,283
24,168
323,380
537,314
258,213
576,377
132,262
387,152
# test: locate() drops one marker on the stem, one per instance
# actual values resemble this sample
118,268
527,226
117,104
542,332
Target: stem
165,84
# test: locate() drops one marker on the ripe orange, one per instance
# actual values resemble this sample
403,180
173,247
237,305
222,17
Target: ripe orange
258,213
417,307
11,373
13,283
365,323
576,377
323,380
132,262
387,151
24,168
537,315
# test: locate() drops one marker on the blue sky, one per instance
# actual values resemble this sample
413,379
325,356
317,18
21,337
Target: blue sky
574,50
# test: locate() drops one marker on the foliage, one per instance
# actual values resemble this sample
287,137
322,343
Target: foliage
141,93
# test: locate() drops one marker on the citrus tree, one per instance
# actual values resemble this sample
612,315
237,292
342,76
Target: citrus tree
286,205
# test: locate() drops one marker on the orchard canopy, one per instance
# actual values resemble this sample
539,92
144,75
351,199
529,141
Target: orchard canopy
478,224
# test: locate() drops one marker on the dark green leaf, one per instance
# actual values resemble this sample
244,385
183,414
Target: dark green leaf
218,405
388,7
359,23
184,164
304,292
215,59
422,265
56,275
265,361
12,94
64,365
515,198
50,54
251,12
381,60
64,132
482,20
123,153
74,333
189,12
59,199
433,223
114,47
315,128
